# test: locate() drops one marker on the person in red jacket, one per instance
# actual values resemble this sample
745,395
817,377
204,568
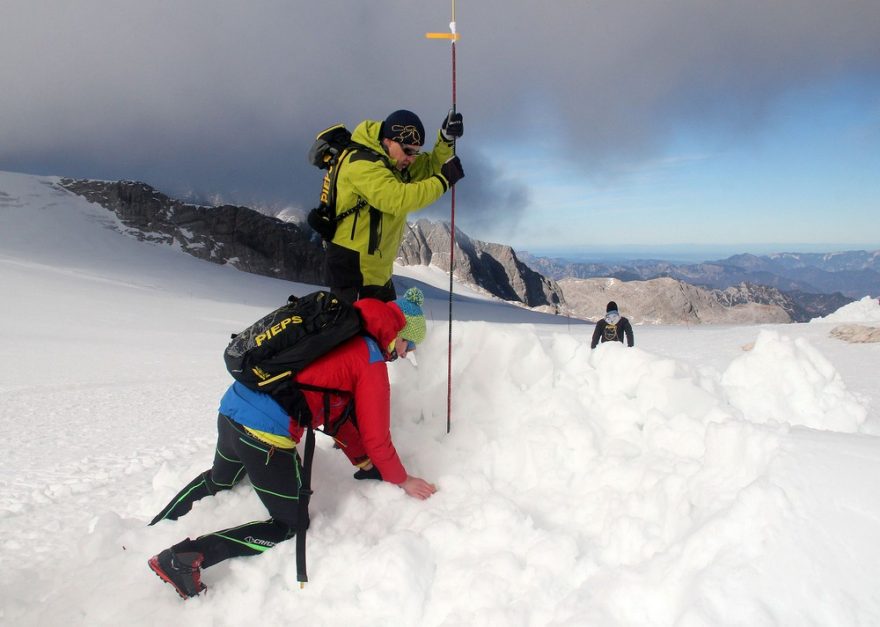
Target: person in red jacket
257,438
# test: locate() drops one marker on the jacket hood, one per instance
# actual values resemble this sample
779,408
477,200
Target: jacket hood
612,317
367,134
382,320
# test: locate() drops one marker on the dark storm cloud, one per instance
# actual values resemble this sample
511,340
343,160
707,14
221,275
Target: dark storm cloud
219,97
489,203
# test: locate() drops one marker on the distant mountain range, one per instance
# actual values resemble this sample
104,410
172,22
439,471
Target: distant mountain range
852,273
740,289
809,284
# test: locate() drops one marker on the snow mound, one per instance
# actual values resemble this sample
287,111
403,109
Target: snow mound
788,381
865,310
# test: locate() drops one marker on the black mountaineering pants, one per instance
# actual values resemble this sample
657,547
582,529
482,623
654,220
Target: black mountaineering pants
275,475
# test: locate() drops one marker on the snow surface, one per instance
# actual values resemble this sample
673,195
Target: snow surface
709,476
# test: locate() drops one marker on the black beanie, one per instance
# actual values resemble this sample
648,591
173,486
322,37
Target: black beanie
404,127
612,306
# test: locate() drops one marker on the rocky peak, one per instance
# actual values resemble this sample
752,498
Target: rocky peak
492,267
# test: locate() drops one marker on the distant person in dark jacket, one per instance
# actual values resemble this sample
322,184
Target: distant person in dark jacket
612,327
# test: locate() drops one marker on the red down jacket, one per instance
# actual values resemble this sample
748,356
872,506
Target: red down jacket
358,368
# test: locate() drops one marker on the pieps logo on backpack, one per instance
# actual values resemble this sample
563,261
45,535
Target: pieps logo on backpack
275,329
325,190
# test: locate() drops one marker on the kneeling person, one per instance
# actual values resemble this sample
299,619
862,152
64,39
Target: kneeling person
257,438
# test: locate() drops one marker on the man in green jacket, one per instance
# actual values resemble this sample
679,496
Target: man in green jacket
384,181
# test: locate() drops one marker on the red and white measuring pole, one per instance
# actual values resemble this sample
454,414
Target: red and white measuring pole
452,36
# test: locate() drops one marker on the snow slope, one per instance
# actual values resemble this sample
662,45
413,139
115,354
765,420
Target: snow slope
686,481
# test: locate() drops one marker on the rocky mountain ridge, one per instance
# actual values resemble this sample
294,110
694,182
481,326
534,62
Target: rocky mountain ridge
668,301
269,246
261,244
239,236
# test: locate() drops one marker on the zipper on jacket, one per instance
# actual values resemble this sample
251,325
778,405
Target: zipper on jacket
375,230
354,223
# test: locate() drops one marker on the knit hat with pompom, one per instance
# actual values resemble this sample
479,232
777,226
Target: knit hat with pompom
411,306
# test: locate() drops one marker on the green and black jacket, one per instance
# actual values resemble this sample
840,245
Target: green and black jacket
367,241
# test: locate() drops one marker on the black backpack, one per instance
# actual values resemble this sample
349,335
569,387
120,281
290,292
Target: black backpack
330,148
280,344
267,354
610,333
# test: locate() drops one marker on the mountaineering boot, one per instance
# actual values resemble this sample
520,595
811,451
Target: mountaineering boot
181,570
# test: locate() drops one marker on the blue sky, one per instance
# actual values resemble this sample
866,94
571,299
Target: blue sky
808,177
621,124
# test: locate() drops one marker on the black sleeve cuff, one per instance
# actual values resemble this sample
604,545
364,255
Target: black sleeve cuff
443,181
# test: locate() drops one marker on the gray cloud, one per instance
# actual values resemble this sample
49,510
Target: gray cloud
490,203
220,97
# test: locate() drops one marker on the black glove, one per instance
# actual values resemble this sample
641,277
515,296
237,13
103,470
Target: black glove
452,171
453,126
372,473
